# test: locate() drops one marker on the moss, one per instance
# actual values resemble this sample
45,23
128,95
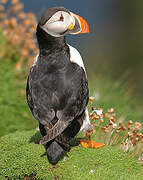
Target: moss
21,156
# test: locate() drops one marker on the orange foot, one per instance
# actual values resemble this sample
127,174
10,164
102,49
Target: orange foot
90,144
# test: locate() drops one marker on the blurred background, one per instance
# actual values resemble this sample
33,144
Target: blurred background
115,43
112,53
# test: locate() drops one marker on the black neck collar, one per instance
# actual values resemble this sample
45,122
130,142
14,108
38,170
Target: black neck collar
48,43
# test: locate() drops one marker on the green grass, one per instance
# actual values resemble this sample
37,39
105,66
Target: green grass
21,157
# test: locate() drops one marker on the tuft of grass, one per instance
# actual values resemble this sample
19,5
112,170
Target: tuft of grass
21,157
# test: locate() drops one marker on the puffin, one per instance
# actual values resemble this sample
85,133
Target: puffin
57,87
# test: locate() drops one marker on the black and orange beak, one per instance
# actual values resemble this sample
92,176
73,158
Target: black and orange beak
79,25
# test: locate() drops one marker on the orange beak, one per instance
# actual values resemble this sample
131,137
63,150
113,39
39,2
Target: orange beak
80,25
83,24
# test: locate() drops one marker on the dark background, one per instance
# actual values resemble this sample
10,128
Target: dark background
114,46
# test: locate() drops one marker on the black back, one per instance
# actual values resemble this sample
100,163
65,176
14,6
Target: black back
57,89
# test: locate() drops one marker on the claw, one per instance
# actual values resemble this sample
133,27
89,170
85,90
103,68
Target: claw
91,144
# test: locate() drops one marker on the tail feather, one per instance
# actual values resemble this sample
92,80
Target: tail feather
55,152
56,130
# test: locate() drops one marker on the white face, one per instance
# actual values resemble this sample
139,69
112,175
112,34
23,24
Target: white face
58,24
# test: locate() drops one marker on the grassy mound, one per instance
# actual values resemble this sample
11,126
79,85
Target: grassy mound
21,156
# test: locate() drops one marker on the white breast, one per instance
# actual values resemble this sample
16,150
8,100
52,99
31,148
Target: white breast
76,57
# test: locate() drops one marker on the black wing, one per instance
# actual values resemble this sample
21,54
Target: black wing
57,98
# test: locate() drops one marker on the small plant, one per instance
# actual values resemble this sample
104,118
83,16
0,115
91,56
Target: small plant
19,29
107,129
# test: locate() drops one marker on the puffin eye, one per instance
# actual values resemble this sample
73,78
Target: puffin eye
61,18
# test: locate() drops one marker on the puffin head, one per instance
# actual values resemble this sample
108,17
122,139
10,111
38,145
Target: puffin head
58,21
